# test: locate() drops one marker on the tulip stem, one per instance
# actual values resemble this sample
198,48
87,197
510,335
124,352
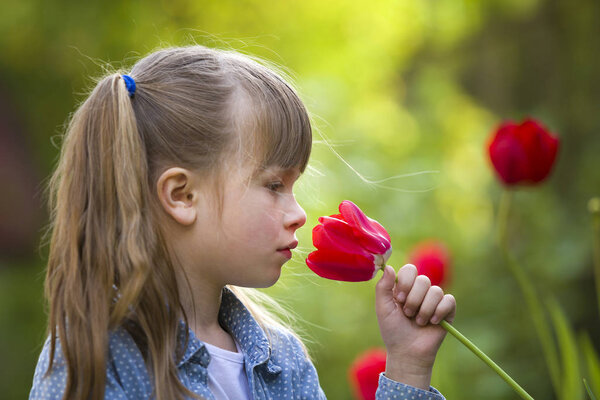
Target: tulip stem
529,293
468,344
594,208
502,218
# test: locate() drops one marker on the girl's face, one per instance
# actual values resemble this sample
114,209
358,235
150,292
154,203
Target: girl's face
255,233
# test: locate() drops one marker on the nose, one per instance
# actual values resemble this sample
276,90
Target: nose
296,216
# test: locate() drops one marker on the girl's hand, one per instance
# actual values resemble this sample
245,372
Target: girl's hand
408,312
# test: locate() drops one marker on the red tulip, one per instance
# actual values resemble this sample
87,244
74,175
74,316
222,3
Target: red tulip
432,260
522,154
350,246
364,373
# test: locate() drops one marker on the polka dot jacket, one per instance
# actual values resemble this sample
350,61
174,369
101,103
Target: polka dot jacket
279,370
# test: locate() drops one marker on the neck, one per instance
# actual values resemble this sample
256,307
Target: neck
201,303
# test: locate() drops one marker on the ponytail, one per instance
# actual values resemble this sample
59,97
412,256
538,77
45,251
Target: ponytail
103,248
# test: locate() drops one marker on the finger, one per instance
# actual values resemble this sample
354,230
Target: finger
446,309
406,279
387,281
434,295
383,288
416,295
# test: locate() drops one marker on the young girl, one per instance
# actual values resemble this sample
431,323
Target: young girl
173,191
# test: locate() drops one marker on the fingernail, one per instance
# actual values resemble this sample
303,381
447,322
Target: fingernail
420,321
401,297
408,312
434,320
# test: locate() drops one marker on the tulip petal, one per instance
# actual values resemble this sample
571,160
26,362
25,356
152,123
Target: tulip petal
336,216
541,149
337,235
522,154
370,233
341,266
364,373
507,155
432,259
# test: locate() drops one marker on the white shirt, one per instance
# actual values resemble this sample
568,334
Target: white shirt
226,374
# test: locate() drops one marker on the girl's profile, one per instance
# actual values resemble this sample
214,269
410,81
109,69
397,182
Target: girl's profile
173,199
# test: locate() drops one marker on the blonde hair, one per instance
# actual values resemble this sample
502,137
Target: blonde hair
109,265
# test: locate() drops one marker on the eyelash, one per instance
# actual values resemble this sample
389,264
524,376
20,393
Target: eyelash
274,186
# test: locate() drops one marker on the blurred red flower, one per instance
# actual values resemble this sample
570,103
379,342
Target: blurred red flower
350,246
432,259
364,373
522,154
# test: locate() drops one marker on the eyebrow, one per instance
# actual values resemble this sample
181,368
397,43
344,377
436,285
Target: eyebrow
280,171
292,172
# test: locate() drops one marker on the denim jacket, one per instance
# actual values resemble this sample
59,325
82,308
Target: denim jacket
276,370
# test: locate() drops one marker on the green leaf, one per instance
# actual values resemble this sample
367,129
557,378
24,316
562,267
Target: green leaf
540,322
589,391
571,380
592,361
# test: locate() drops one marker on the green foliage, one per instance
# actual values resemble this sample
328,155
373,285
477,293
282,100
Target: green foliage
589,391
408,90
21,328
570,388
592,361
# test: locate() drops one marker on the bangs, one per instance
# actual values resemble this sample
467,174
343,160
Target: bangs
275,129
284,132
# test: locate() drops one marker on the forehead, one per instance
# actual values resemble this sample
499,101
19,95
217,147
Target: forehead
247,161
283,172
249,176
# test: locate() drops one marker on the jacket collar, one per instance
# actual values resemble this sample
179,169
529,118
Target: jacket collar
236,318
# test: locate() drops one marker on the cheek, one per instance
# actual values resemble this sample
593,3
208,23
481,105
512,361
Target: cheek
247,226
260,226
252,218
259,230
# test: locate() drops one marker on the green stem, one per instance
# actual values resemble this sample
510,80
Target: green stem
594,208
502,218
589,391
468,344
532,300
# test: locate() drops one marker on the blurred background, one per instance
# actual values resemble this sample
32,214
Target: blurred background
410,88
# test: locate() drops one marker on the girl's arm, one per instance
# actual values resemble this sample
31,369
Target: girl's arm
409,312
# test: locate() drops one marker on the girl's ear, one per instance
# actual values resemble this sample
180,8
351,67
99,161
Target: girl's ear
178,195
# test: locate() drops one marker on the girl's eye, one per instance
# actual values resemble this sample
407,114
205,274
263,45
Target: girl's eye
274,186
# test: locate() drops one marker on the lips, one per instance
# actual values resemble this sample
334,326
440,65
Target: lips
287,251
291,246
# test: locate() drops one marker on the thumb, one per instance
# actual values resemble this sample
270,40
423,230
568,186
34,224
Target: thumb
384,294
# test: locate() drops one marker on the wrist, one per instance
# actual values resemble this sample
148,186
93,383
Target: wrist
411,374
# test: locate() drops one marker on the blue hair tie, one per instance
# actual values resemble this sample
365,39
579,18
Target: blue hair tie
129,84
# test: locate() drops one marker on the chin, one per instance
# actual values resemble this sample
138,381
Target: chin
269,283
259,282
264,282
